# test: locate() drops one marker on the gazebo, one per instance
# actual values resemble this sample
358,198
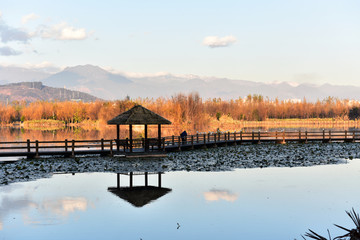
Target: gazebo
138,115
139,196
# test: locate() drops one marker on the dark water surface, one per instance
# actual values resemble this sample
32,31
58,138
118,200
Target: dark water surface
271,203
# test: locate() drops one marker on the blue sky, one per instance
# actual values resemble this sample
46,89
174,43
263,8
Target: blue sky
316,41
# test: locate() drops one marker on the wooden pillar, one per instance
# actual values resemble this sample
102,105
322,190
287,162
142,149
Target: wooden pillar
28,145
197,138
146,138
131,179
102,144
131,137
111,148
159,178
173,140
192,141
36,148
117,137
353,136
73,148
179,143
146,179
345,135
159,137
283,137
118,180
329,135
66,145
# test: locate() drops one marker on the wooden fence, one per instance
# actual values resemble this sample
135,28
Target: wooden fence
172,143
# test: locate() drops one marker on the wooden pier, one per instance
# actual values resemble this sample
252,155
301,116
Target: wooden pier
156,147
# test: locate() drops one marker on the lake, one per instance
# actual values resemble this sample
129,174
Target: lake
256,203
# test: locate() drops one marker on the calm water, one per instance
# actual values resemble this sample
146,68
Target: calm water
272,203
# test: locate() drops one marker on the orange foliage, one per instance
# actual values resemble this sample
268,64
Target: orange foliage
184,111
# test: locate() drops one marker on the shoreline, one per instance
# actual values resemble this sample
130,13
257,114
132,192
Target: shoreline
214,160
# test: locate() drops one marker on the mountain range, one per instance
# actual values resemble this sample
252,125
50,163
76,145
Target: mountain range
34,91
110,86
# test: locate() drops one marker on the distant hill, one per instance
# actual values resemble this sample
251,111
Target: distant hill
90,79
109,86
33,91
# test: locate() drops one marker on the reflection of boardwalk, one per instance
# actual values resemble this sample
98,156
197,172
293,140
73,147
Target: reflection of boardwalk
156,147
139,196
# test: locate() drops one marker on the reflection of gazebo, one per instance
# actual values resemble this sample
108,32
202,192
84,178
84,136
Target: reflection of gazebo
139,196
138,115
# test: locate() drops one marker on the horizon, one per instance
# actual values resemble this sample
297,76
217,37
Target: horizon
261,41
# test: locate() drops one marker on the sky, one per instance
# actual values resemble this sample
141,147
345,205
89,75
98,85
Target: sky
313,41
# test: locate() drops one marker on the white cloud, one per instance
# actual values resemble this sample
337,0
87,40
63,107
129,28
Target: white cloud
63,31
215,41
10,34
216,195
8,51
63,207
27,18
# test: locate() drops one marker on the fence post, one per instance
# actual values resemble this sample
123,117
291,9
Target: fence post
36,148
179,143
102,144
229,136
259,135
28,145
276,136
204,139
353,136
345,135
197,138
173,140
219,136
192,141
299,135
323,135
73,148
284,136
111,148
241,136
235,136
163,144
66,145
208,137
329,135
252,136
306,136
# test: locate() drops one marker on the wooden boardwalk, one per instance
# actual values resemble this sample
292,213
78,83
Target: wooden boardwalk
102,147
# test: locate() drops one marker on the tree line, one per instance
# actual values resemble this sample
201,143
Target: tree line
185,110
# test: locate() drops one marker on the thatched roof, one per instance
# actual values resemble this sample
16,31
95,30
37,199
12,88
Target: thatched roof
139,196
138,115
